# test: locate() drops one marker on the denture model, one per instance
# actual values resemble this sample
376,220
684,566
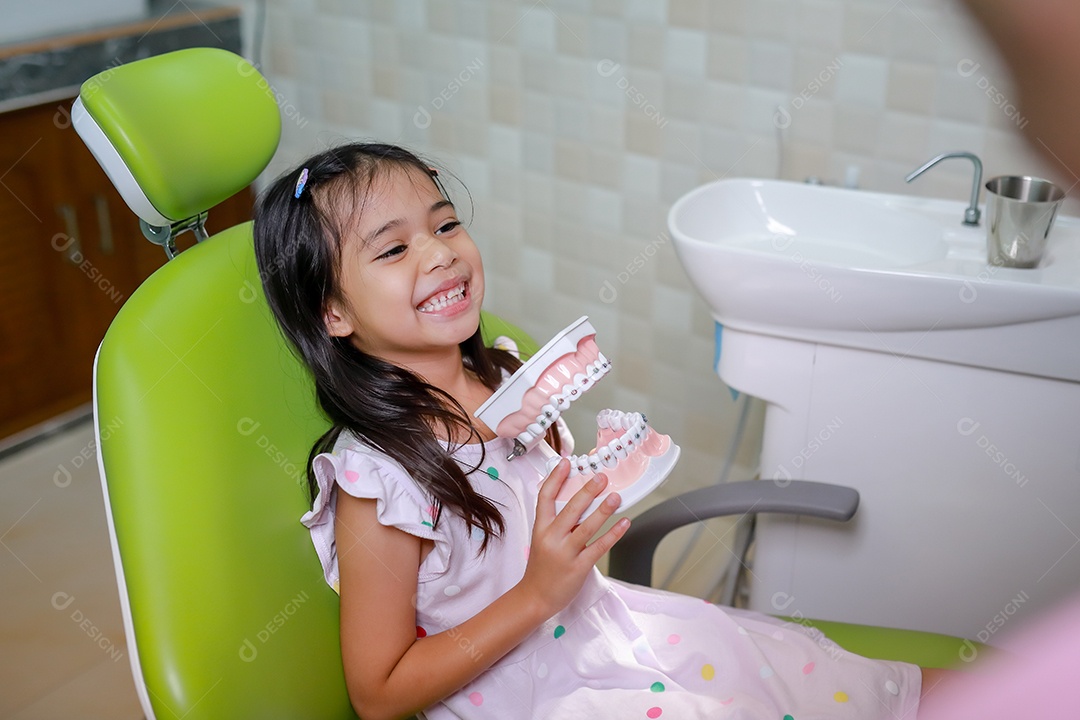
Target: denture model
635,458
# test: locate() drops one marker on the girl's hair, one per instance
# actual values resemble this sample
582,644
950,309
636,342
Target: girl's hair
299,236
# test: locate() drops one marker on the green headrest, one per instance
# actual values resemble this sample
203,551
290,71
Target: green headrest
180,132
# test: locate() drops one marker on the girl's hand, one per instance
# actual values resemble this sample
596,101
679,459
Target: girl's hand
561,557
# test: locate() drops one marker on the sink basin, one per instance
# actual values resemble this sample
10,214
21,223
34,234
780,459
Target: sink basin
778,256
891,358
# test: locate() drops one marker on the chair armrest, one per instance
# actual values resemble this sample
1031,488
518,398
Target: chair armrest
631,558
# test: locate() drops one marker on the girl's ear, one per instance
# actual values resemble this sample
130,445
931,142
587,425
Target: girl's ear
337,320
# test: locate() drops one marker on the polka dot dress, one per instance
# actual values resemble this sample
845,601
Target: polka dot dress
618,650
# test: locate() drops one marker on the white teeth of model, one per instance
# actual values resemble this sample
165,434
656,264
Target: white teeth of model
594,463
570,392
551,413
603,419
526,437
582,381
618,449
561,402
535,429
617,420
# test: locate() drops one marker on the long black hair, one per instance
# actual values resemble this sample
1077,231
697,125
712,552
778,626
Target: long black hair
298,246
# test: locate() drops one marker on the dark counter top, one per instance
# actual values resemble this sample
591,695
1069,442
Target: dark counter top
52,69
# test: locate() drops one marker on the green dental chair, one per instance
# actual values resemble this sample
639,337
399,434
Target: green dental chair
204,421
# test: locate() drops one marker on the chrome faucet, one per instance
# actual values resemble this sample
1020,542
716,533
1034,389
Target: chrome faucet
971,215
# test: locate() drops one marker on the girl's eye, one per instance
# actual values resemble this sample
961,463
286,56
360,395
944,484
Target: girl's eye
396,250
448,227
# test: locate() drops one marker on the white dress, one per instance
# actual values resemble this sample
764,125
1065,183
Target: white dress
618,650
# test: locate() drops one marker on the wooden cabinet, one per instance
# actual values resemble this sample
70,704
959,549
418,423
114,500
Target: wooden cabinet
70,254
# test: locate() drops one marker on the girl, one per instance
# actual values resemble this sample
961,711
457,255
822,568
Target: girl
463,593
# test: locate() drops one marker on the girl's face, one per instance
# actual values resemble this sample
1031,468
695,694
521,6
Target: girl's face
411,278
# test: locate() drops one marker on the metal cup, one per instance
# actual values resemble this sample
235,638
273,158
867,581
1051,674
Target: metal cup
1020,212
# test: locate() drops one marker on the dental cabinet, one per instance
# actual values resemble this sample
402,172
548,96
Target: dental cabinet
70,252
892,358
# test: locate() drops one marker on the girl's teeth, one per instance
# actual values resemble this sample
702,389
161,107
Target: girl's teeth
443,300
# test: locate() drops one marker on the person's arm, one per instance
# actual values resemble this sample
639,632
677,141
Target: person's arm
1039,41
389,672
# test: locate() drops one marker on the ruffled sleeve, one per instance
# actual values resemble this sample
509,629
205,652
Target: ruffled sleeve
399,502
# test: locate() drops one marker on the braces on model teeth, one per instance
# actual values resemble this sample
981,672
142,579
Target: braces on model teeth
608,456
559,402
635,458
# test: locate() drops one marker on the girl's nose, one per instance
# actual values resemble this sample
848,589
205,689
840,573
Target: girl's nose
437,254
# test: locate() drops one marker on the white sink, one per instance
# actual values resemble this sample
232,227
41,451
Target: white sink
893,359
789,255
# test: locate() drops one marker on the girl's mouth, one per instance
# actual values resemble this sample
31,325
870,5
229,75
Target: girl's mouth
445,299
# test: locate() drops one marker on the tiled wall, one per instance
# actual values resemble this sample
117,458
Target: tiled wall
575,125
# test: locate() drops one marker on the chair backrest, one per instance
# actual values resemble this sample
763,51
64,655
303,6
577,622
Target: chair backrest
204,422
205,419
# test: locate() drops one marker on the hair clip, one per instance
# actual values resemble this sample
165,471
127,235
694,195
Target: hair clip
300,183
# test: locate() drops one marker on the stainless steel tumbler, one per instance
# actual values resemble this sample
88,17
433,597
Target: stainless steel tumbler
1021,211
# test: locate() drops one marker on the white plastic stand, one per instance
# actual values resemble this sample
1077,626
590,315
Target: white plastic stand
969,480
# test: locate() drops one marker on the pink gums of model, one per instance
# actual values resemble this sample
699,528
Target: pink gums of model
567,378
628,470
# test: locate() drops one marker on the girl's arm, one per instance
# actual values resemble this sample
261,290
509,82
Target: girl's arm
391,673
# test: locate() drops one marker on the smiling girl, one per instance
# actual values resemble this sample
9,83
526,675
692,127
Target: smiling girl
463,592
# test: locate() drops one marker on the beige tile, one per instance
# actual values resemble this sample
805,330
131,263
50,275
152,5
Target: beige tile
728,58
868,27
642,133
683,99
771,64
689,13
916,33
821,24
605,167
501,23
572,35
442,17
645,47
962,98
812,121
571,160
856,129
681,142
906,137
386,82
912,87
771,19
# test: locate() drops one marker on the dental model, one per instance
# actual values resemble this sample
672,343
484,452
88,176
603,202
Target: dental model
635,458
